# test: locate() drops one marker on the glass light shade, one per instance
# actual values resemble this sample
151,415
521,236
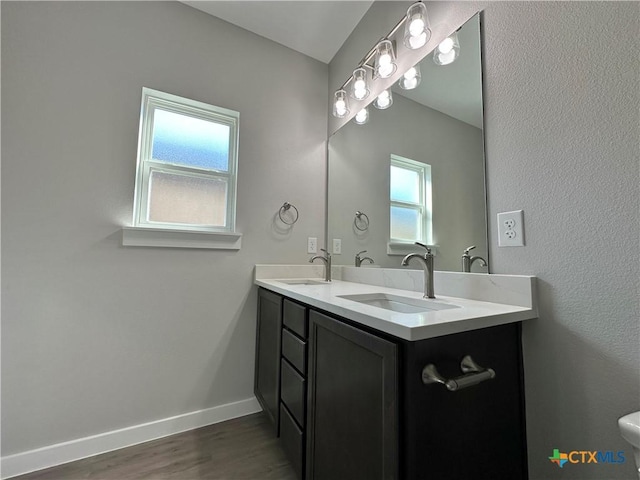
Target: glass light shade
447,51
384,100
340,104
362,116
385,62
416,27
411,78
359,87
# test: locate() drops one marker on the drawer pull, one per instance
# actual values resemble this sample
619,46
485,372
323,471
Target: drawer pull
473,374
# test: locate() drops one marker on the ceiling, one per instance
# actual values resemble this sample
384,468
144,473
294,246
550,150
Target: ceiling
316,28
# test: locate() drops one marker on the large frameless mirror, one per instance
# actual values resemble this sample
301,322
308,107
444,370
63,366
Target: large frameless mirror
415,171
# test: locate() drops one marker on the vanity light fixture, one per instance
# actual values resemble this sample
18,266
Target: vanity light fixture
447,51
416,27
381,61
384,100
385,60
362,116
359,87
340,104
411,78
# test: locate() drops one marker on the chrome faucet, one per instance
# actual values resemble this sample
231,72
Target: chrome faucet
359,259
427,264
327,263
467,260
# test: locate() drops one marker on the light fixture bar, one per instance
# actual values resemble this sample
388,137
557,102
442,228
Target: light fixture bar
364,63
340,95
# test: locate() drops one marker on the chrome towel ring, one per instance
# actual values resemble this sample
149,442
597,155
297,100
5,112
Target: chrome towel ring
286,206
361,222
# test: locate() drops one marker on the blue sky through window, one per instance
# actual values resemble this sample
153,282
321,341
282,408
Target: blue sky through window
189,141
405,185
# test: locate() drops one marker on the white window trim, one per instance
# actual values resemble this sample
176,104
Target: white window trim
403,248
173,238
397,246
151,234
152,99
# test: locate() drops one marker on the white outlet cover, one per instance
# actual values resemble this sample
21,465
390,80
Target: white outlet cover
312,245
511,229
337,246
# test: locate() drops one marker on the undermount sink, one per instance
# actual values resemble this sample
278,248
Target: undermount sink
397,303
303,281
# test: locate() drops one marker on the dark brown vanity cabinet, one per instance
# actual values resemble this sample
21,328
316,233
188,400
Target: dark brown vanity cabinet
293,383
267,368
353,404
352,427
476,432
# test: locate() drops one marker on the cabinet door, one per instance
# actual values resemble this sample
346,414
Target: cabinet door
267,371
292,441
352,413
474,433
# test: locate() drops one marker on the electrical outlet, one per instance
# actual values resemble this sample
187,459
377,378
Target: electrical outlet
509,223
312,245
511,229
337,246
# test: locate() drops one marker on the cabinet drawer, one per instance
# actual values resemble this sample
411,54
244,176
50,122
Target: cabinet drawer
292,440
294,350
295,318
292,388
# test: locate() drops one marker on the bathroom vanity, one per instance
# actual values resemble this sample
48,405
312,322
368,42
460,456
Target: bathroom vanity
357,389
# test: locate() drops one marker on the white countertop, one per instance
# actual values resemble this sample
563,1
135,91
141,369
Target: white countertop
472,313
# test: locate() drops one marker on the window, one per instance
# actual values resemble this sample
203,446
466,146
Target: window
410,198
187,165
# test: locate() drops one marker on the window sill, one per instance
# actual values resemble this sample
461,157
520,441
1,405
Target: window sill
401,248
161,237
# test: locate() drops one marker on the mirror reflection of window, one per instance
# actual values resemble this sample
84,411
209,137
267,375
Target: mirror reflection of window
410,201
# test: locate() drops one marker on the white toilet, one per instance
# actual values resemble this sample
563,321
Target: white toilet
630,430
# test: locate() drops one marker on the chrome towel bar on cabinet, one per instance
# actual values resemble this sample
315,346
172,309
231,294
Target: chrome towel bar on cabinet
473,374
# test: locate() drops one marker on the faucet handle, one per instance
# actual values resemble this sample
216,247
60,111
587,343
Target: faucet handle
327,253
424,246
360,253
468,249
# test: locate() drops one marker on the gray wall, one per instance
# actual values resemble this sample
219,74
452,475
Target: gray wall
95,336
561,109
359,178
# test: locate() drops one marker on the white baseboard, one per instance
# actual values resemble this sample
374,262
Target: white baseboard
52,455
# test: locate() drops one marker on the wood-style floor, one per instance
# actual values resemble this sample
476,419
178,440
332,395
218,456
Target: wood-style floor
244,448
